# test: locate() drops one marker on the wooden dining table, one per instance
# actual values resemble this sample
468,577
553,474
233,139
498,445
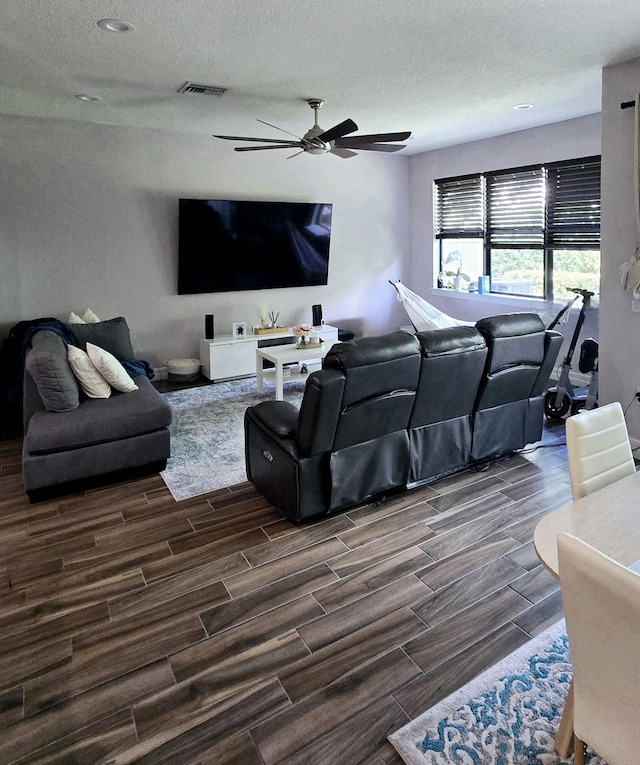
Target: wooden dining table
609,520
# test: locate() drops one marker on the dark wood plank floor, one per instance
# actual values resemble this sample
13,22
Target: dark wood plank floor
134,628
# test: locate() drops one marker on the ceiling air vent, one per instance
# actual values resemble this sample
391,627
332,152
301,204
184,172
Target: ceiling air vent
202,90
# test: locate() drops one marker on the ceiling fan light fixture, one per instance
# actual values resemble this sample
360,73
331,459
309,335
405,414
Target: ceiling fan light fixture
337,140
313,144
115,25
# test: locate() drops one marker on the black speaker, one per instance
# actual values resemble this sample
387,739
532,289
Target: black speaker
208,326
316,312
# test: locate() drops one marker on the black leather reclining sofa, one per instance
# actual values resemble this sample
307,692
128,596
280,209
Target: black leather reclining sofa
400,410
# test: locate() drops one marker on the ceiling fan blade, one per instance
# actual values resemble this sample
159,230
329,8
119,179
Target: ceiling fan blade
279,128
259,140
344,153
337,131
376,147
374,138
264,148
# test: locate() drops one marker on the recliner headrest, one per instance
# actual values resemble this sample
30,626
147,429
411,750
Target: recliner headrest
451,340
374,366
513,340
511,325
366,351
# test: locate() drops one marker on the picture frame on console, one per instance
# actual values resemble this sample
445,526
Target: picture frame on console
239,329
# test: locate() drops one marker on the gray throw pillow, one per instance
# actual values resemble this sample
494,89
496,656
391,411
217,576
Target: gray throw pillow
48,366
111,335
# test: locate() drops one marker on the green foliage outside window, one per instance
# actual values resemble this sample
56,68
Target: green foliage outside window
572,268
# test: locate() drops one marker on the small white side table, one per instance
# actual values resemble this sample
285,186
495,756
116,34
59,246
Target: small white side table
228,357
287,354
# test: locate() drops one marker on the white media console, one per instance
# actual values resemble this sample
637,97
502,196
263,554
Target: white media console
227,356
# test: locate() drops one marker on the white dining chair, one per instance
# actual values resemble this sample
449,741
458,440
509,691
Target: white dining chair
598,449
602,609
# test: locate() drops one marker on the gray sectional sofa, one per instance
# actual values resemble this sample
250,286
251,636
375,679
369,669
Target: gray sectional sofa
69,437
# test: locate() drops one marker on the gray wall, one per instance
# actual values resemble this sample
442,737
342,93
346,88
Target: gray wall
89,220
619,325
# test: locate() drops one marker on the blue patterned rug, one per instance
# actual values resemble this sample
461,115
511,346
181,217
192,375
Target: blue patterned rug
509,715
207,434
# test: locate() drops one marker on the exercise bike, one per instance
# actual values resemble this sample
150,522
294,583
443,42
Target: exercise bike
563,397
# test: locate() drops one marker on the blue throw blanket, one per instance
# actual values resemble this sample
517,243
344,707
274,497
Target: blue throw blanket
53,325
137,367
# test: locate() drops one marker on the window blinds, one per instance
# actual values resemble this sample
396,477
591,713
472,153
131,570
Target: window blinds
515,209
556,205
573,208
459,210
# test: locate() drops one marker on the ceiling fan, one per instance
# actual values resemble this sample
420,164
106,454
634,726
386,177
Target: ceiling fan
319,141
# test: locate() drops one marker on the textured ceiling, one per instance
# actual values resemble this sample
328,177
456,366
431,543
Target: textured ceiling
448,70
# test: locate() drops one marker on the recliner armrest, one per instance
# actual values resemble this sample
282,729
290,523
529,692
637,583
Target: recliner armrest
552,344
280,417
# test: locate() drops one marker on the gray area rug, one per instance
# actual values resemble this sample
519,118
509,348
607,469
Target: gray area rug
207,434
509,714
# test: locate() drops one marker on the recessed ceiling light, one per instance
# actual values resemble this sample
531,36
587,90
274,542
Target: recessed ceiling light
115,25
87,97
522,107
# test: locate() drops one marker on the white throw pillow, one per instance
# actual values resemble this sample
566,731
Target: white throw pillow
91,381
111,369
75,319
89,317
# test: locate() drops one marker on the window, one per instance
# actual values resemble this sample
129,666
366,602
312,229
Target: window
535,230
322,217
459,212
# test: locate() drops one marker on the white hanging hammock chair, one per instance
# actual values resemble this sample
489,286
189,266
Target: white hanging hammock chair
423,315
630,270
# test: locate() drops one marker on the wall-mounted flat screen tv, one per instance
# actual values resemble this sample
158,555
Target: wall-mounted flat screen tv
227,245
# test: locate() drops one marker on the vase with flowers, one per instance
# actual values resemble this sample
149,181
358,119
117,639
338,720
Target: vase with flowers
303,334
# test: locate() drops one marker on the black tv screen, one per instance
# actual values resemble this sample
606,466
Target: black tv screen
227,245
